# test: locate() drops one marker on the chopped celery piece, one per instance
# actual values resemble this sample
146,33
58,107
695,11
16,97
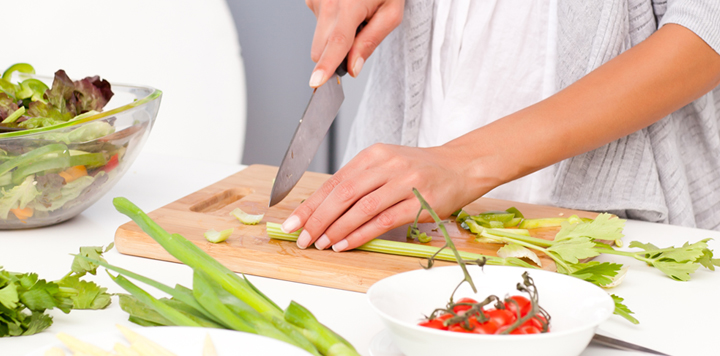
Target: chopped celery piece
14,116
246,218
217,236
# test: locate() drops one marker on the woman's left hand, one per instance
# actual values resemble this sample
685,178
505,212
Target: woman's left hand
373,194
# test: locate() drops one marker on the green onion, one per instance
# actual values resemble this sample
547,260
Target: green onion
167,312
237,294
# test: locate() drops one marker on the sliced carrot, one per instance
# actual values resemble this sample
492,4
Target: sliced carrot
73,173
24,213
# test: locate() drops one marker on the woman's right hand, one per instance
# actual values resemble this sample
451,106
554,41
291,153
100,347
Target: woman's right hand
337,22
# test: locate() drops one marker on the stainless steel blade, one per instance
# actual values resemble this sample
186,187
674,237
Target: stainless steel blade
319,115
622,345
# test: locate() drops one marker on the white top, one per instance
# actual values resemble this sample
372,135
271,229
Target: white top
489,59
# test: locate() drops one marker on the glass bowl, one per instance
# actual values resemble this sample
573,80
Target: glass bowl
576,309
49,175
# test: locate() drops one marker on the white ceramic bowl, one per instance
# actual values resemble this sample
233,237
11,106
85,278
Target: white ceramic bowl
575,306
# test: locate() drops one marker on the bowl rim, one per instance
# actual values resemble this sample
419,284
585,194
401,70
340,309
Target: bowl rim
468,336
155,94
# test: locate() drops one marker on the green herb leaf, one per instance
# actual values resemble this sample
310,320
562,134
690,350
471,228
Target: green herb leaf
675,270
574,248
89,294
599,273
622,310
81,266
603,227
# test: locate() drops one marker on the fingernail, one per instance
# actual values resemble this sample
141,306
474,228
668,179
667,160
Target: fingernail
304,239
358,65
322,243
291,224
340,246
316,78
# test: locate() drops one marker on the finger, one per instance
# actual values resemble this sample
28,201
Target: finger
339,41
398,215
343,196
384,21
325,23
359,163
366,208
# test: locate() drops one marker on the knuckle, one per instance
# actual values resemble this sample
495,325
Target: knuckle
330,185
369,45
313,224
377,151
338,38
385,220
369,204
304,210
345,191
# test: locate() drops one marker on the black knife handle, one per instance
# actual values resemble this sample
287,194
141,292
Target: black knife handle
342,69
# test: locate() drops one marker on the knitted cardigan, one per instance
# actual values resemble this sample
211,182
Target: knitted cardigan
668,172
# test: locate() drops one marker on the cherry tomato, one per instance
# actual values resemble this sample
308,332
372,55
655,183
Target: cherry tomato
458,328
501,316
433,324
522,303
529,330
444,317
486,328
517,331
536,321
458,308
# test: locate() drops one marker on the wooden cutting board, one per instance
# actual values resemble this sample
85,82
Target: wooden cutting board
249,250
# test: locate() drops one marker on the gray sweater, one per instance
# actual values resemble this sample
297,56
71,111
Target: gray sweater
668,172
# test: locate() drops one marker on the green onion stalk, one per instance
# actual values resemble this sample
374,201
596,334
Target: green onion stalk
221,296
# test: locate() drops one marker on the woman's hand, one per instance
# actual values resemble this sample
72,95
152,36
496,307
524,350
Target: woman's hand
373,194
337,22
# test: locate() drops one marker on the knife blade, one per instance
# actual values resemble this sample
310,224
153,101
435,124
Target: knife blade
312,128
622,345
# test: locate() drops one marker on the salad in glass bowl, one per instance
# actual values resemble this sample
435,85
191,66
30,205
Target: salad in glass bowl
64,143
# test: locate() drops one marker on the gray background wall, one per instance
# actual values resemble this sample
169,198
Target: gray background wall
275,38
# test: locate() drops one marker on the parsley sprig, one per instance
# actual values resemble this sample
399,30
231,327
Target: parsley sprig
24,297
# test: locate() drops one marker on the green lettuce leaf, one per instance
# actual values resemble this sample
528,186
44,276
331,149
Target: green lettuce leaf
17,197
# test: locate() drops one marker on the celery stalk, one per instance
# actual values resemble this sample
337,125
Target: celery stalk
407,249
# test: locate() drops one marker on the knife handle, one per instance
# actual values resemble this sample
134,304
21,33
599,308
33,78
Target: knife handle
342,69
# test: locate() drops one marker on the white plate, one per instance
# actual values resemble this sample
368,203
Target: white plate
188,341
382,344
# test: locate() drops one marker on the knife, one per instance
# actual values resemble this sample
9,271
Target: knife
312,128
622,345
314,124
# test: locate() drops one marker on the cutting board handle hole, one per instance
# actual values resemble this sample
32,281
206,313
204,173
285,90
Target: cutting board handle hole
221,200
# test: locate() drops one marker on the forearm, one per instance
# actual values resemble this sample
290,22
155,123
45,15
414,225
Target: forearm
667,71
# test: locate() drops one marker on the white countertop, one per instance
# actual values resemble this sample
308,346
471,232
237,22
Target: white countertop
154,181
